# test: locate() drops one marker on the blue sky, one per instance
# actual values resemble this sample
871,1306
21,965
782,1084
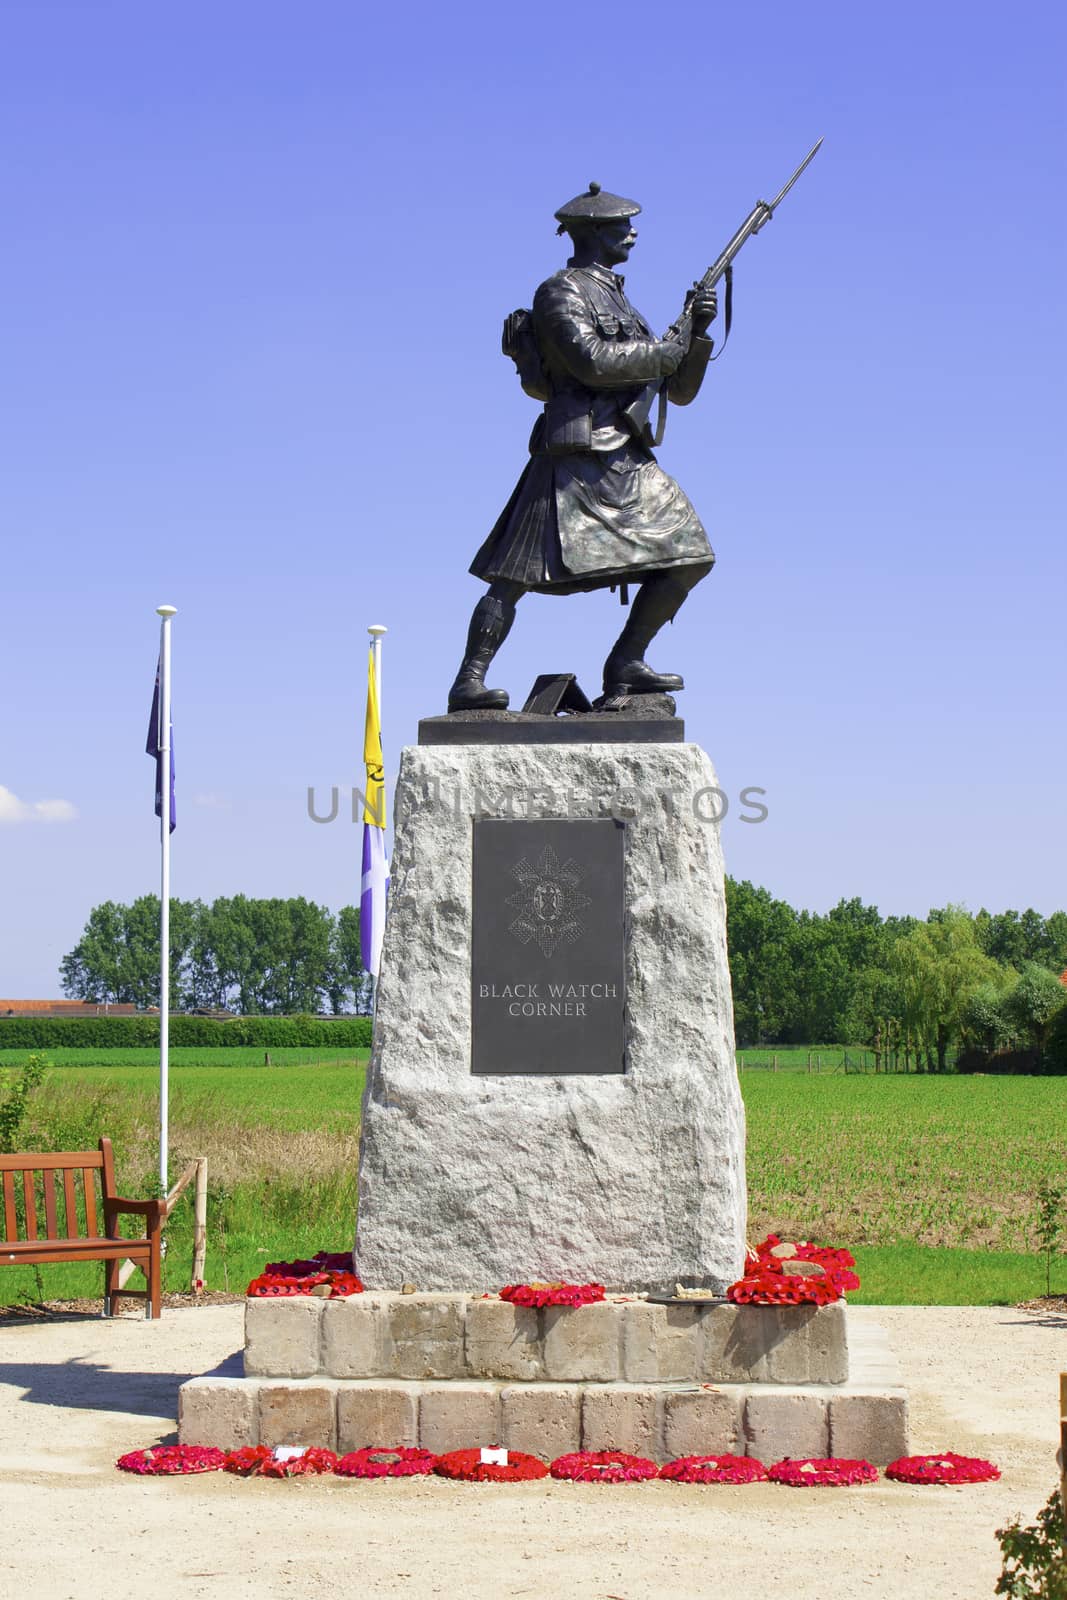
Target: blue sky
256,261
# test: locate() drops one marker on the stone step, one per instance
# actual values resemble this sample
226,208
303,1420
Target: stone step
459,1338
657,1420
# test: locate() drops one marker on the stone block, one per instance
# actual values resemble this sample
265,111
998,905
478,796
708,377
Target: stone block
503,1341
302,1412
732,1344
351,1342
620,1417
459,1416
422,1336
583,1343
805,1344
282,1337
219,1411
544,1419
659,1343
783,1422
701,1422
377,1413
870,1427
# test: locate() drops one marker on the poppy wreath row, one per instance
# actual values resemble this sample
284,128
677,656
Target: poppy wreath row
766,1283
552,1294
581,1466
945,1468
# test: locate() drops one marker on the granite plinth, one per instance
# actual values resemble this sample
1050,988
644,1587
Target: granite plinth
633,1179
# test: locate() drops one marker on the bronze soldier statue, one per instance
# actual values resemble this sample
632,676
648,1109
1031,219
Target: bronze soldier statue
592,507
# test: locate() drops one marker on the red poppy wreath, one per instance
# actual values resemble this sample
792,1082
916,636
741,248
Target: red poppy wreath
715,1469
822,1472
467,1466
552,1294
401,1462
603,1466
260,1461
945,1468
166,1460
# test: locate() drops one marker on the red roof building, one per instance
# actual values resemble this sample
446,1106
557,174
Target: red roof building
68,1008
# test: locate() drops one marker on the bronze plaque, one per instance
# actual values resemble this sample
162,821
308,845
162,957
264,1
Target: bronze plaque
548,970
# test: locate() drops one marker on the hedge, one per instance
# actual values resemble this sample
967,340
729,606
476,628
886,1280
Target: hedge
73,1033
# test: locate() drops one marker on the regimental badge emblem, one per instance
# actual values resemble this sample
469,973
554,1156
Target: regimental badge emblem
547,902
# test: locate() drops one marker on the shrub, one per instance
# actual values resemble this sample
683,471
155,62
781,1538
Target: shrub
1035,1565
16,1086
73,1033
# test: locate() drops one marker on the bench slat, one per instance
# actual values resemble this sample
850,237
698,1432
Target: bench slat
51,1225
73,1249
70,1203
31,1204
10,1220
37,1160
89,1186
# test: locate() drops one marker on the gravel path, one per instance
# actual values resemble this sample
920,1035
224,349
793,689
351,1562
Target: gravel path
76,1393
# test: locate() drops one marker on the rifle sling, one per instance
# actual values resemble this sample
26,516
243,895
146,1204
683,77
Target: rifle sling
727,311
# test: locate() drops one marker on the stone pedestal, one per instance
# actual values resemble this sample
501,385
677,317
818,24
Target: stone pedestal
535,1149
451,1371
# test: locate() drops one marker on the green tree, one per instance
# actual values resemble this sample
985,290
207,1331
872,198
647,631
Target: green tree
1032,1004
93,969
348,983
985,1024
117,957
939,965
760,931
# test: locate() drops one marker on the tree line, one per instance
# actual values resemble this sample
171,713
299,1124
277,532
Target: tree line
272,957
982,984
978,984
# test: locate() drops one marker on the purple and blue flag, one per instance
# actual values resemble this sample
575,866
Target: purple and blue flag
152,747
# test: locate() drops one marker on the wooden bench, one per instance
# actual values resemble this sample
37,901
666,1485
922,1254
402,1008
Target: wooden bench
26,1180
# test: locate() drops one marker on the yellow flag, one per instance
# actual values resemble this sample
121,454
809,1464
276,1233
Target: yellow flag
374,792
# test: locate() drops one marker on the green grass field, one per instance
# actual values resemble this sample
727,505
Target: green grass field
251,1055
930,1180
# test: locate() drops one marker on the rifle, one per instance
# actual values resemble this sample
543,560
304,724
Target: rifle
722,266
639,409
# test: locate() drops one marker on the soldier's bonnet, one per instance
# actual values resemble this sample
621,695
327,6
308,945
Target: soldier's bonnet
596,205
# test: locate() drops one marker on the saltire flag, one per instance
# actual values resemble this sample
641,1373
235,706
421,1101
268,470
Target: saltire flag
375,881
153,749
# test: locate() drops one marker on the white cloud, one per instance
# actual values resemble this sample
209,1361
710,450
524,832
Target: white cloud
12,809
211,801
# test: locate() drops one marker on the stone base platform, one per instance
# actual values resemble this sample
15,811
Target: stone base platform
622,1338
450,1371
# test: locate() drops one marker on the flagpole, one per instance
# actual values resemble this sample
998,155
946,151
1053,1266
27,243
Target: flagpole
166,613
376,629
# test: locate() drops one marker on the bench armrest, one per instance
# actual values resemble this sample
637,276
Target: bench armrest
116,1206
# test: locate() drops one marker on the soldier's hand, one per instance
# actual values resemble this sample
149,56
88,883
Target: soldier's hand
703,308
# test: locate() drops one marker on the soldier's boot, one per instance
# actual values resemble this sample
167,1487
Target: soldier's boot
490,625
659,597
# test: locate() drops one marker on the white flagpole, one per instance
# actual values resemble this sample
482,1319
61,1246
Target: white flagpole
376,630
166,613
